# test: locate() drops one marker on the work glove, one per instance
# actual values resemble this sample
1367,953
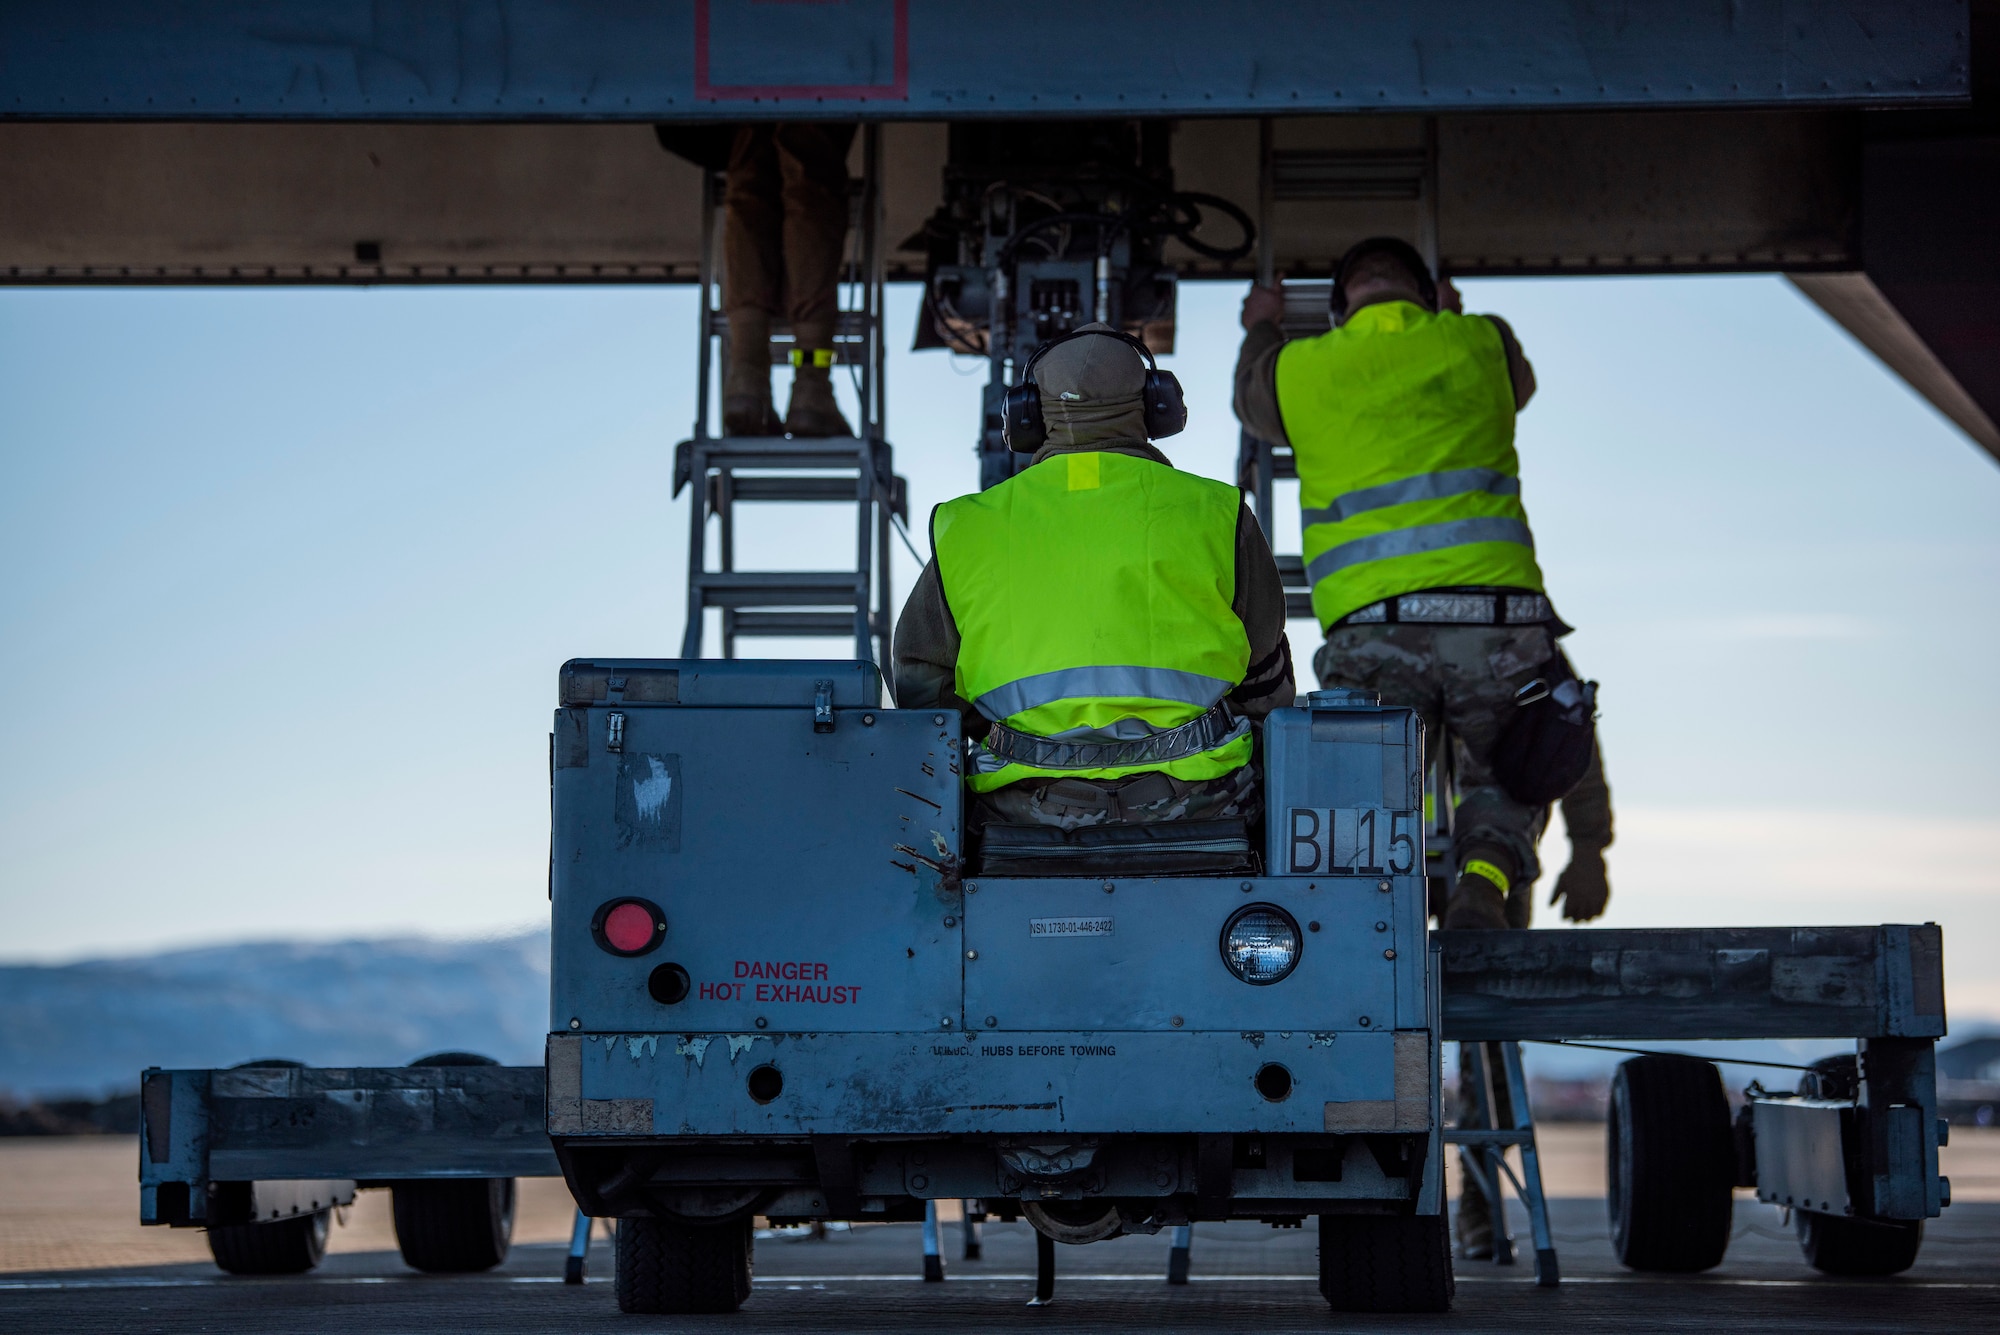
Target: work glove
1584,887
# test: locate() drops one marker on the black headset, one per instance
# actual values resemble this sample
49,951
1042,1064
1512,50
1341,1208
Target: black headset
1382,245
1021,424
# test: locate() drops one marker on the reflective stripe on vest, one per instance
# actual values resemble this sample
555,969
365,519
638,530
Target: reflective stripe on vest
1092,595
1402,429
1150,683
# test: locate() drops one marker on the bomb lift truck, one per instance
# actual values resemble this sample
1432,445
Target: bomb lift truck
785,982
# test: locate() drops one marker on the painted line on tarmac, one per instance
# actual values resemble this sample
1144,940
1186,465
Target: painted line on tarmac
783,1281
1524,1280
150,1282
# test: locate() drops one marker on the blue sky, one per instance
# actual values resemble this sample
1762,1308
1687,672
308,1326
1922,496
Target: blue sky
288,574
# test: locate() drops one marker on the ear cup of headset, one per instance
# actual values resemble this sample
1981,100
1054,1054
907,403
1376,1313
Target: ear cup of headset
1021,424
1166,407
1024,430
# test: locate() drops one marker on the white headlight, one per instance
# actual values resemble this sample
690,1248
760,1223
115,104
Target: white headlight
1260,944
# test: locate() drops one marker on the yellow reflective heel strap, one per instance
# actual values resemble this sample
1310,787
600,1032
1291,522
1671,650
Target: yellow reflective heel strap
821,357
1481,867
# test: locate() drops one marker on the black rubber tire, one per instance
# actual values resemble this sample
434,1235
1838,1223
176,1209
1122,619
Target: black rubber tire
1671,1158
455,1059
682,1268
1385,1263
286,1247
454,1226
1838,1245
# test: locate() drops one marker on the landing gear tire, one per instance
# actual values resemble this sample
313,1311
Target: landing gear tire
1672,1162
1385,1263
682,1268
454,1226
1838,1245
449,1226
284,1247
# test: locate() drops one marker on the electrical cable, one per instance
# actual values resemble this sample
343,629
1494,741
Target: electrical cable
1184,216
949,325
903,532
1195,201
896,522
1109,225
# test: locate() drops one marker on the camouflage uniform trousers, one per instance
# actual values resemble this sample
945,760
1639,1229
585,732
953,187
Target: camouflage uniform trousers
786,221
1465,678
1141,799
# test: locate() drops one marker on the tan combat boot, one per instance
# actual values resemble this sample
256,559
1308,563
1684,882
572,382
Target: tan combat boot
813,411
746,380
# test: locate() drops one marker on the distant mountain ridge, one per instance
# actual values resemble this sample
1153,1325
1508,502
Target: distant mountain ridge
91,1027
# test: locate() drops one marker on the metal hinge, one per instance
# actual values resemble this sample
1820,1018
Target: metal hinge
614,732
823,706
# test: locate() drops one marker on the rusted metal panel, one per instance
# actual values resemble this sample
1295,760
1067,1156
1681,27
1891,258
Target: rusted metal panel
809,882
376,1123
1899,1129
1054,1082
292,1138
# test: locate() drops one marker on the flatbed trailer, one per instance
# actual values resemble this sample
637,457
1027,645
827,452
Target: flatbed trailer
379,1124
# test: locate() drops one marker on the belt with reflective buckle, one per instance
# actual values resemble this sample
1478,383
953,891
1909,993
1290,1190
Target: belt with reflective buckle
1448,608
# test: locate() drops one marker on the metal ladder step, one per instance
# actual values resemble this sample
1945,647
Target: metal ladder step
768,625
814,488
772,452
780,461
1306,307
850,337
742,588
1284,468
1298,593
766,488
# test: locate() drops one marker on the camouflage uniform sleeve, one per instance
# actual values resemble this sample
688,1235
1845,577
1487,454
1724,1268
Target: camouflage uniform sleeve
1587,807
1260,604
1256,396
925,652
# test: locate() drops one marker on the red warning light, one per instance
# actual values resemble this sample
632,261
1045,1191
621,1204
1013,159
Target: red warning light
629,926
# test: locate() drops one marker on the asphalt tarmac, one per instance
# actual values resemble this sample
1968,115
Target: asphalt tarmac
1244,1277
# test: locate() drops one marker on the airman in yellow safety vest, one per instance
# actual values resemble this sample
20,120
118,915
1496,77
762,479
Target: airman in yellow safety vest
1416,545
1108,626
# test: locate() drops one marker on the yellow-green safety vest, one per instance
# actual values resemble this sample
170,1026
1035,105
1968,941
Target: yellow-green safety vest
1092,594
1402,428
